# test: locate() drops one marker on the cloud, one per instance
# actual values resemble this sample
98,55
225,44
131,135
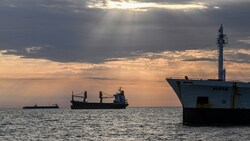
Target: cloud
141,6
64,45
33,49
246,40
100,78
200,59
77,33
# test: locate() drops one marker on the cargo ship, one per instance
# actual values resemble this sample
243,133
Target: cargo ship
54,106
213,101
119,102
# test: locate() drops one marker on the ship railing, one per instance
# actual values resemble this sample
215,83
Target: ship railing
213,79
192,78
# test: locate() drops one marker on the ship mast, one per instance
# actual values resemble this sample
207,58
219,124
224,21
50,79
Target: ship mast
221,41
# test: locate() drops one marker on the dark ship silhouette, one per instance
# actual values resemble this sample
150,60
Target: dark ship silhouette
54,106
120,102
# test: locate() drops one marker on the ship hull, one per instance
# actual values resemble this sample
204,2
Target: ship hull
41,107
211,102
85,105
213,116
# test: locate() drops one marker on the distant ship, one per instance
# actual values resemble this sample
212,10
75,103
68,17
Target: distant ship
213,101
55,106
120,102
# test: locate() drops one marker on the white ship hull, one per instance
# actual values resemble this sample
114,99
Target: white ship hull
220,94
213,101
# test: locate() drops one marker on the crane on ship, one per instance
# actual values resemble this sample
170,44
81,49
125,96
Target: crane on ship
84,96
104,97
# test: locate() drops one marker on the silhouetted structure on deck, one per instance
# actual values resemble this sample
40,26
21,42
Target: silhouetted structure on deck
119,103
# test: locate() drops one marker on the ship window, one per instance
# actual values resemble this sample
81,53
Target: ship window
202,100
188,82
220,89
224,101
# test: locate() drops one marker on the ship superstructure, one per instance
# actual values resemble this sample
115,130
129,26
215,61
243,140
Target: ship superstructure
213,101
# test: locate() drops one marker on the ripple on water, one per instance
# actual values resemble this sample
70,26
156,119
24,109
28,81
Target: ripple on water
129,124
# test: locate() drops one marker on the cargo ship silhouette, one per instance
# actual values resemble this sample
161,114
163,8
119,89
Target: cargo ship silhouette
119,102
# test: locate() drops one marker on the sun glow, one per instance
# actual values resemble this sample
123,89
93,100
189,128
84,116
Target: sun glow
141,6
145,71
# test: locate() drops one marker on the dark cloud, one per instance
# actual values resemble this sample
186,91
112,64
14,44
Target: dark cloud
100,78
200,59
238,57
242,56
69,31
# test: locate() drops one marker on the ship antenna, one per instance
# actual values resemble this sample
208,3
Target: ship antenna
221,41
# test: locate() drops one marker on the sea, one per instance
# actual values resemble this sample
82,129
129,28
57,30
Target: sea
131,124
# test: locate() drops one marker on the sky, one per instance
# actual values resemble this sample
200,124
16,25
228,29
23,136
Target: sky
50,48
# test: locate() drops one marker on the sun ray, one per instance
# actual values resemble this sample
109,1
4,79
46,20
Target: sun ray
142,6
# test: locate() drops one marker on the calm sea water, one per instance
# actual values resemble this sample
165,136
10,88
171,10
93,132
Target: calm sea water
130,124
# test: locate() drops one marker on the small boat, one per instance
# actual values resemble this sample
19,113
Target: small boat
54,106
120,102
